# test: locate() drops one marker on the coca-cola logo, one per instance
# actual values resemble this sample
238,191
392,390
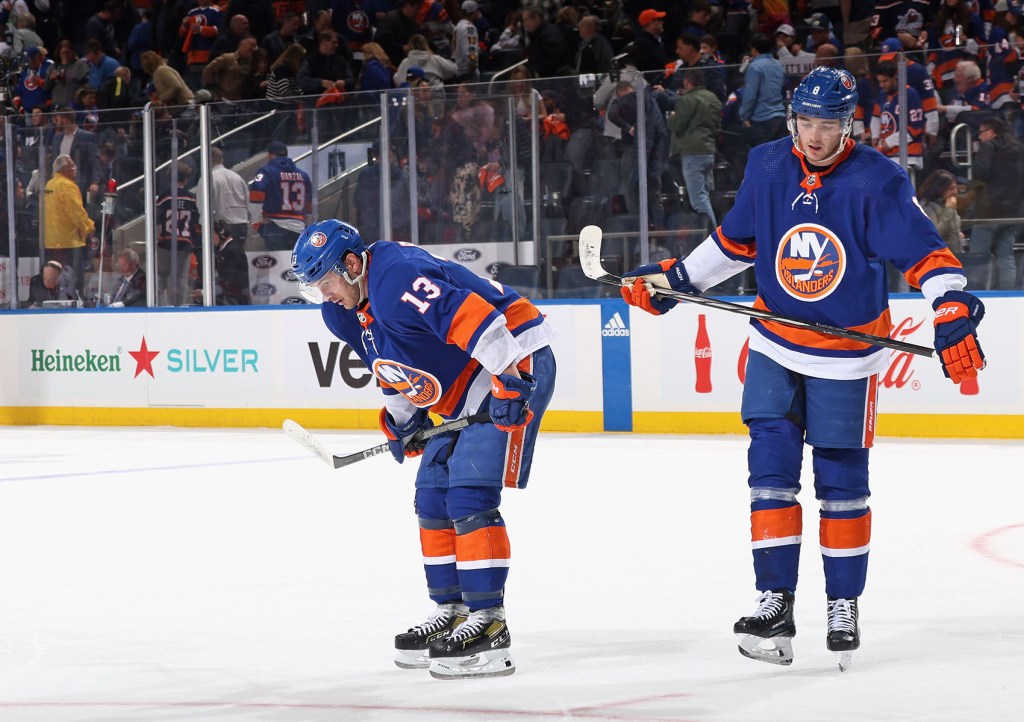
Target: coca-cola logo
704,352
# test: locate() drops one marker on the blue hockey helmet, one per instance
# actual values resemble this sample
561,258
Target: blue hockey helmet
826,93
322,248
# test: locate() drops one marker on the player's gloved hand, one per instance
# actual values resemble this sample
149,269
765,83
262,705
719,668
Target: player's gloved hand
510,400
957,315
639,292
397,435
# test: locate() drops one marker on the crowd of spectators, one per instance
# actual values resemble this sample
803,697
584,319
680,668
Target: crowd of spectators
709,78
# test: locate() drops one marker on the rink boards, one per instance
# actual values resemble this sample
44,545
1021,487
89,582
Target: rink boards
619,370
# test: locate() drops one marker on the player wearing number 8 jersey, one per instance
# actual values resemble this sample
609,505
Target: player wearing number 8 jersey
441,339
818,216
286,194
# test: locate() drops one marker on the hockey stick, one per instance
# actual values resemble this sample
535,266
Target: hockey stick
590,260
300,435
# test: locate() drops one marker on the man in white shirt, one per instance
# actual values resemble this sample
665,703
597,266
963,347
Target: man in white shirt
230,197
467,44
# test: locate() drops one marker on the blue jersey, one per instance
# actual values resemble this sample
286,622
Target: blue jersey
433,332
818,242
284,190
32,90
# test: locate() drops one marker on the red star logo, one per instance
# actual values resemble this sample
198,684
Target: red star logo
143,359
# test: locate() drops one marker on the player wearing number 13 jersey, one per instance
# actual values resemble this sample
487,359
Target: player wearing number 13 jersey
818,216
286,194
441,339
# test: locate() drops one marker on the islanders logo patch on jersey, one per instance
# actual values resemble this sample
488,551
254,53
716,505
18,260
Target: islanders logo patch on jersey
810,263
318,239
421,388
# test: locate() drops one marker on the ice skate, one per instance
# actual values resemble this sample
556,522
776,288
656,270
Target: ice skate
411,647
843,630
767,634
476,648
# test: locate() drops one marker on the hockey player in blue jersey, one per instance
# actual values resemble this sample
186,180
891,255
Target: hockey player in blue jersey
286,193
441,339
818,215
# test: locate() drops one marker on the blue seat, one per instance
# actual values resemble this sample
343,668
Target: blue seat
524,279
573,283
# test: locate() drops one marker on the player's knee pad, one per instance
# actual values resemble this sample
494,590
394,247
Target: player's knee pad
431,503
465,501
841,475
775,455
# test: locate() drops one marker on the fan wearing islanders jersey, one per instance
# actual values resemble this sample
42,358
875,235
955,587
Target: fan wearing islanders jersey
441,339
818,216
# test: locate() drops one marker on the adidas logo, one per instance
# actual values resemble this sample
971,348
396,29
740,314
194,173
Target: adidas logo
615,326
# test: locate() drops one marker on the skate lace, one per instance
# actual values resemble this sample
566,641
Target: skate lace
768,605
841,616
474,625
437,620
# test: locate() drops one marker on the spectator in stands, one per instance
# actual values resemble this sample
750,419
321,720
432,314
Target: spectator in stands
281,80
101,65
116,95
285,193
857,17
938,197
509,38
699,20
761,110
595,52
54,282
199,30
483,25
566,21
310,39
476,116
230,196
820,32
377,72
467,44
139,41
623,113
690,56
67,225
287,34
920,80
230,76
330,67
131,291
396,28
435,69
238,30
796,62
998,168
231,270
971,91
694,125
827,55
67,75
85,104
178,231
437,26
32,91
885,119
81,146
25,35
101,27
168,85
547,51
649,51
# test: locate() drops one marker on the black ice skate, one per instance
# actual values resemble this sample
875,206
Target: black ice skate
411,647
843,630
476,648
767,634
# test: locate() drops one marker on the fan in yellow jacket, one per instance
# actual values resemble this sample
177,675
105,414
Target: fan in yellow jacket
68,225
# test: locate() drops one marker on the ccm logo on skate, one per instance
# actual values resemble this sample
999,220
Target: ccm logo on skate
810,263
615,326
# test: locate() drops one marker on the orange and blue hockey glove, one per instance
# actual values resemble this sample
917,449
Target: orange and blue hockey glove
957,315
400,442
510,400
639,293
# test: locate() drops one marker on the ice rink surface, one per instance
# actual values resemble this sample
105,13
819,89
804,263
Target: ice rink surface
173,574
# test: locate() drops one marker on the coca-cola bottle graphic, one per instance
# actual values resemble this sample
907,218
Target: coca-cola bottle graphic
969,387
702,356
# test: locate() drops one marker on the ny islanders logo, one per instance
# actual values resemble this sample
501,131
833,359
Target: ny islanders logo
810,263
317,239
419,387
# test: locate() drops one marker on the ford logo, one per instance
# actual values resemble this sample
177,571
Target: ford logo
465,255
289,276
264,289
492,268
264,262
293,301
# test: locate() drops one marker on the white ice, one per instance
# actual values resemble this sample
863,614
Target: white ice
173,574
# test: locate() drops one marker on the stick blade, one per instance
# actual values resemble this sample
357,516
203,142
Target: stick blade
590,254
303,437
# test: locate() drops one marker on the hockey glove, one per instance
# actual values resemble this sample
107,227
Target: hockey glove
510,400
400,442
639,293
957,315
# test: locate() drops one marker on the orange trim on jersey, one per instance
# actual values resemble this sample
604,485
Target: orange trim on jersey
491,542
473,312
935,260
776,523
257,196
881,326
437,542
845,533
519,312
821,174
745,250
514,457
450,399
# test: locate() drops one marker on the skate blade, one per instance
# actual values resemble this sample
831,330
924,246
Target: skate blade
497,663
773,650
844,660
411,659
